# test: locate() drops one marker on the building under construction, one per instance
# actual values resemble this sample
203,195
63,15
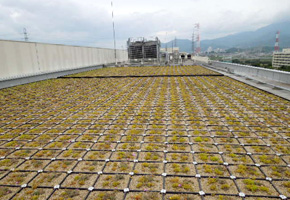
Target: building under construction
142,50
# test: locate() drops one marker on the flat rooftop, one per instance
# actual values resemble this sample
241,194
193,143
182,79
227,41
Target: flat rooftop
182,132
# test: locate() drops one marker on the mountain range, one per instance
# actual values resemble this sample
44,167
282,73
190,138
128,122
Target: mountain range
263,37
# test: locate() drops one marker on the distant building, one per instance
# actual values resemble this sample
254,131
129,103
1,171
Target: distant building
218,50
209,49
281,59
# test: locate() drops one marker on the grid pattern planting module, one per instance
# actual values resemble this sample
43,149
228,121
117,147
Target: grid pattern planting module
204,137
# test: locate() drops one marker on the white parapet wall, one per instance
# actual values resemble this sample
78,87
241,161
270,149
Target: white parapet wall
24,59
200,59
251,71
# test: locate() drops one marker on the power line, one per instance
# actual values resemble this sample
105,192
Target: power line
11,34
50,38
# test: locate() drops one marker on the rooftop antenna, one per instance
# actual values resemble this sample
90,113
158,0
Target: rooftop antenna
192,42
114,34
166,42
277,42
175,42
25,35
198,49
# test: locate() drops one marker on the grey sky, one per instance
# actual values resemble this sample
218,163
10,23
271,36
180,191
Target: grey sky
88,22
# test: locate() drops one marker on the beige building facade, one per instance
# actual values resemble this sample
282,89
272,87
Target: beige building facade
281,59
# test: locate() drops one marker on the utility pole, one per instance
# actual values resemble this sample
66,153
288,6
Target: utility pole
173,55
25,35
175,42
192,42
166,42
114,34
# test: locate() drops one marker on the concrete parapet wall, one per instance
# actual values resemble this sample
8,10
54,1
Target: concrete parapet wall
246,70
25,59
44,76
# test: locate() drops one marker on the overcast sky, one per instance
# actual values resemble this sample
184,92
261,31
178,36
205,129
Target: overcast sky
89,22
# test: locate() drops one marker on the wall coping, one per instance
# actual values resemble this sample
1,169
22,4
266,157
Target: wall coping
252,67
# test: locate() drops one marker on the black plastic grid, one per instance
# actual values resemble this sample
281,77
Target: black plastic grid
141,76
